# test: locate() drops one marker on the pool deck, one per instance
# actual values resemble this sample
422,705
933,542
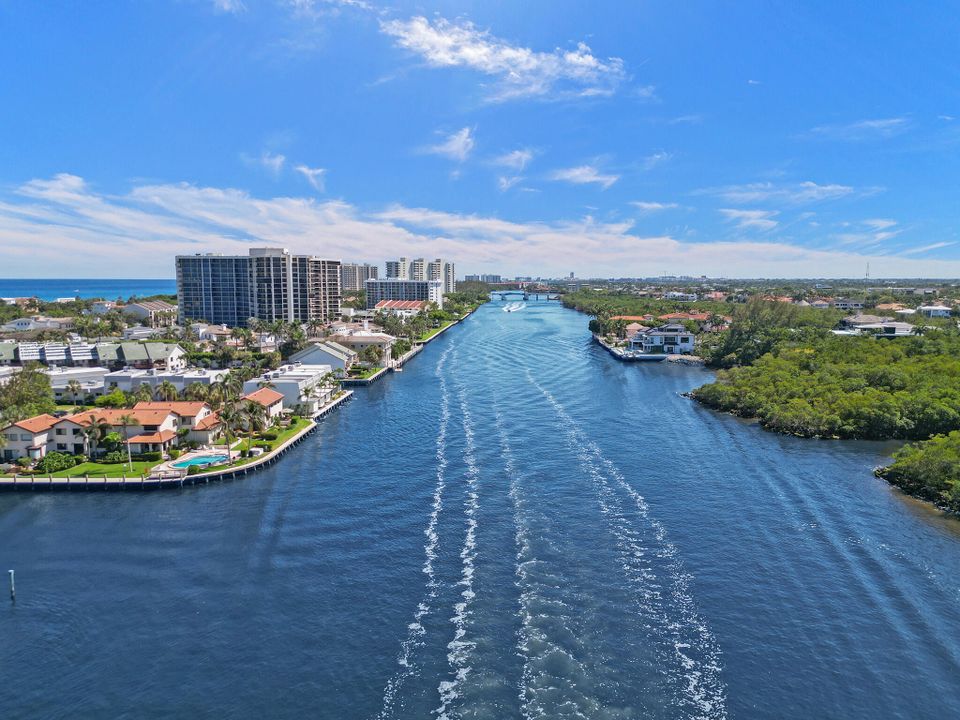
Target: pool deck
169,480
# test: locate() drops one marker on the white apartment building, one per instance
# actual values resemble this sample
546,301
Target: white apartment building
444,271
302,386
129,379
398,269
399,289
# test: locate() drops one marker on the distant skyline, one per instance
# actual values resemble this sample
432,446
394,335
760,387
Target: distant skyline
801,139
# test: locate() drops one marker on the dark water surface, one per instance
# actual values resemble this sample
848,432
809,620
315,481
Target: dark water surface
105,288
517,526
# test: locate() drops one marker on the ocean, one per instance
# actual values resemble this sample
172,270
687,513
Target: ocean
85,288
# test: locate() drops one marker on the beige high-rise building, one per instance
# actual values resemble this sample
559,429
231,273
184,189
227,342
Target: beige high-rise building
418,269
443,270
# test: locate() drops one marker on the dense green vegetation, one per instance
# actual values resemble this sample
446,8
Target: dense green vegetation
759,326
604,305
25,394
848,387
929,470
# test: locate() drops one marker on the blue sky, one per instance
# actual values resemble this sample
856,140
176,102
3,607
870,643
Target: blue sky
610,139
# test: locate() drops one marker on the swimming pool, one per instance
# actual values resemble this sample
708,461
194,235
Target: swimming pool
201,460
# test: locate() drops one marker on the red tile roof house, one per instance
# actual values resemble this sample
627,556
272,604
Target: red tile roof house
271,400
28,438
199,419
156,427
154,430
403,308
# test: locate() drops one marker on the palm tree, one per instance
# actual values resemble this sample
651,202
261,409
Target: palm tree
143,393
126,420
232,417
74,388
256,418
195,391
95,432
314,326
166,391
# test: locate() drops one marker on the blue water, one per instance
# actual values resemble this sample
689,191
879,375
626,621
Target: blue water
106,289
517,526
200,460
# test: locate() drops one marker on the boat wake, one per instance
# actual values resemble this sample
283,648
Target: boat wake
460,648
687,650
415,630
547,687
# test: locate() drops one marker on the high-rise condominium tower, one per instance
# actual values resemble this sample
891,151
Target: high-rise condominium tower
353,275
269,284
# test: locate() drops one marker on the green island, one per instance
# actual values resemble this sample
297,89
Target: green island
780,364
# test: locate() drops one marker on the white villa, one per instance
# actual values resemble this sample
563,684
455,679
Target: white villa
303,387
670,339
934,311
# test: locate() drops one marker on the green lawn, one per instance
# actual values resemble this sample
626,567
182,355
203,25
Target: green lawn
110,470
363,373
430,333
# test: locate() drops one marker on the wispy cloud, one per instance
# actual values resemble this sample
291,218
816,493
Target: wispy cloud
751,219
518,71
651,161
583,175
41,218
648,208
862,129
927,248
879,223
515,159
795,194
315,8
272,163
314,176
229,6
457,146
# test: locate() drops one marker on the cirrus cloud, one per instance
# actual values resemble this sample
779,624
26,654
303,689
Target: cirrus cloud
518,71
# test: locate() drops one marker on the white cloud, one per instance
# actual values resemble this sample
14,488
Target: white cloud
229,6
796,194
457,146
273,164
63,226
862,129
651,161
880,223
505,182
753,82
751,219
515,159
314,176
648,208
583,175
519,71
927,248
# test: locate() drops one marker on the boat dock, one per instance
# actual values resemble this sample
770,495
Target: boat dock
168,480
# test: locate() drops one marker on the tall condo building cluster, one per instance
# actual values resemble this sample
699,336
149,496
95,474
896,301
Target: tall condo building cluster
269,284
420,270
353,276
416,280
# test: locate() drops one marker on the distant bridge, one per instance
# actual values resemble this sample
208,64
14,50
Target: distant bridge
527,295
